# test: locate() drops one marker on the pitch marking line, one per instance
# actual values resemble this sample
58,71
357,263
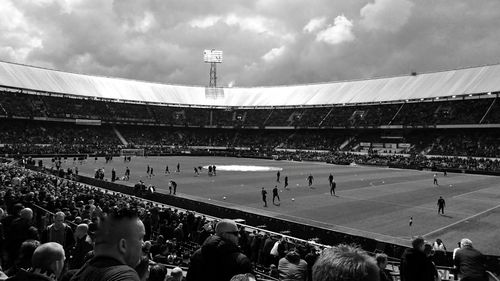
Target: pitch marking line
480,200
474,191
396,204
462,220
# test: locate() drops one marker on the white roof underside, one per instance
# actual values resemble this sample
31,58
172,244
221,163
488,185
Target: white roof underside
429,85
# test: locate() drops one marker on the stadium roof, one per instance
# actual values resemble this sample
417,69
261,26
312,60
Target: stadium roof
459,82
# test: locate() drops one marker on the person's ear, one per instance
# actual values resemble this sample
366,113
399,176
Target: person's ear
57,267
122,246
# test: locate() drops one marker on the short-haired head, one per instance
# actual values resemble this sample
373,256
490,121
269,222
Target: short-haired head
428,250
243,277
465,242
49,258
60,215
176,272
59,219
381,259
345,263
17,208
146,247
26,251
418,243
81,230
120,235
225,225
157,272
227,229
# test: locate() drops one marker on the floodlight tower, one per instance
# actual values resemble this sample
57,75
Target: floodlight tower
213,57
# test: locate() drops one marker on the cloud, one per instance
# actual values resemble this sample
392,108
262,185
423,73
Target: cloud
314,25
19,37
388,15
273,54
340,31
255,24
265,42
67,6
204,22
145,23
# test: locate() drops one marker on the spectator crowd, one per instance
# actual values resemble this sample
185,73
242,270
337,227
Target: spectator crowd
58,229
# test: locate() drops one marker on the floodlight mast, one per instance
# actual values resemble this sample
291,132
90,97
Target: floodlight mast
213,57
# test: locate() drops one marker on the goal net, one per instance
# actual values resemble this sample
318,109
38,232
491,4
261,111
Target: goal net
132,152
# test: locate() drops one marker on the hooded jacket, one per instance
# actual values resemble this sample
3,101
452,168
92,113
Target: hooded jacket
292,267
217,260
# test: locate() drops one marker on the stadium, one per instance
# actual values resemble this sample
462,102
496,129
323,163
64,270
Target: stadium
383,140
269,140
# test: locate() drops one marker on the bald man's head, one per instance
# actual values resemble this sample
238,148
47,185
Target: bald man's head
49,258
81,230
26,214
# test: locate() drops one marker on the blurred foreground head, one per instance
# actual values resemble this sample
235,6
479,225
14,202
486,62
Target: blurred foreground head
345,263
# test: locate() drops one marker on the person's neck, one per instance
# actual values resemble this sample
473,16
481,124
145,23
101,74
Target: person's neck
58,227
100,253
39,271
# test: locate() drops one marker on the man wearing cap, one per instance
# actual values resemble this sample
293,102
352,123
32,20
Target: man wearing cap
219,258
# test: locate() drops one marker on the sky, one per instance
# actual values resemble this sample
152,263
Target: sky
264,42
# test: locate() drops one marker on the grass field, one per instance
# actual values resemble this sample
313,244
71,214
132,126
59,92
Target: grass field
372,201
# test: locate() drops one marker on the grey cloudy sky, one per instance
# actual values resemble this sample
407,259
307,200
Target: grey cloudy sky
265,42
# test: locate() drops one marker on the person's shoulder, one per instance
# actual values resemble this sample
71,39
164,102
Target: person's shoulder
107,269
243,262
409,253
302,263
122,273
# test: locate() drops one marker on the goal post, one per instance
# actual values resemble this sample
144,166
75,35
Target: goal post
132,152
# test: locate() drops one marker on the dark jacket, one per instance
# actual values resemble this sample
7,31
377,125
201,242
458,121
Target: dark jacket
385,275
23,275
78,252
292,267
105,269
18,233
470,264
217,260
69,239
414,266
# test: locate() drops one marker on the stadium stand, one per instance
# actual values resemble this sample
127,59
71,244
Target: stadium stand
424,124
